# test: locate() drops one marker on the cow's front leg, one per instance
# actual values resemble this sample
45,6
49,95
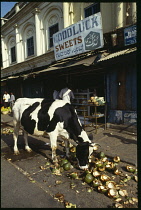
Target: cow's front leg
27,148
53,142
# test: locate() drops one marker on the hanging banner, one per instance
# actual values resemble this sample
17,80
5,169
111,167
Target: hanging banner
80,37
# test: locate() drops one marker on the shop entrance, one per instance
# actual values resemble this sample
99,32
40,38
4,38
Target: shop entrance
91,82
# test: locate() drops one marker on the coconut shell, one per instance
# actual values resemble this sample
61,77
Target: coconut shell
113,193
104,178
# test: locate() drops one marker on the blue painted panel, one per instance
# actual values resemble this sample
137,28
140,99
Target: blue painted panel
113,90
131,89
130,35
122,117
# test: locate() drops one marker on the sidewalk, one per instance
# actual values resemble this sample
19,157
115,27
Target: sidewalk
18,192
119,141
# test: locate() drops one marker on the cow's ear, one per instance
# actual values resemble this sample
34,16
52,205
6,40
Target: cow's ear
90,136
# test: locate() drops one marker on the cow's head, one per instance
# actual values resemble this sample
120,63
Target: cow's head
83,152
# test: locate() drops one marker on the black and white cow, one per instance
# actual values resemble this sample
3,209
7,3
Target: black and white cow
59,118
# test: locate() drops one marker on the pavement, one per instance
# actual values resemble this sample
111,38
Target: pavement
17,192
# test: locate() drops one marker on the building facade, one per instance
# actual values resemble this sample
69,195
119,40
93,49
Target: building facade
29,68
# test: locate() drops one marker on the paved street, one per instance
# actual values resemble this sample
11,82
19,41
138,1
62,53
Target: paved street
27,182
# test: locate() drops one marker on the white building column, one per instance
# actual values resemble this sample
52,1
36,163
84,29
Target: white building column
4,53
119,14
82,11
133,12
18,44
66,14
17,8
38,31
71,13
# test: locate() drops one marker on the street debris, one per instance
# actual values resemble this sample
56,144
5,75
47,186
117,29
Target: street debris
70,205
7,131
59,197
58,182
5,110
104,175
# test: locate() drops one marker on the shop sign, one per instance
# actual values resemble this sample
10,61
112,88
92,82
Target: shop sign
80,37
130,35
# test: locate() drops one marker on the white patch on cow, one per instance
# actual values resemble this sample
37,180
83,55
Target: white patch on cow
21,104
83,167
78,117
58,131
38,133
34,116
90,150
61,130
56,104
84,136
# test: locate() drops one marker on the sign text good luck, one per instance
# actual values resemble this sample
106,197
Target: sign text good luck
78,38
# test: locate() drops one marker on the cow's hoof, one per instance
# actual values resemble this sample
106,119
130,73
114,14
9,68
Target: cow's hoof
16,152
28,149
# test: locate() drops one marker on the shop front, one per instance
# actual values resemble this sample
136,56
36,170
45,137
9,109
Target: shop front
121,86
112,76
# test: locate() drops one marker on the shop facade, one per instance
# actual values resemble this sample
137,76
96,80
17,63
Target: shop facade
115,79
110,69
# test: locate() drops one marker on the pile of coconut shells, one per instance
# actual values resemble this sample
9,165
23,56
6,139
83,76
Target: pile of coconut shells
104,175
7,131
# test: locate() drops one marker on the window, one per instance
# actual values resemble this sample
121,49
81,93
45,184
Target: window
52,30
30,46
13,54
93,9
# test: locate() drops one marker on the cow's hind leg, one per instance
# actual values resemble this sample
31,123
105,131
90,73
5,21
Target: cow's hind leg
53,142
27,148
15,136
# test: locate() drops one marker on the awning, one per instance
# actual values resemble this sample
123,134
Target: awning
10,77
106,56
69,63
81,60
